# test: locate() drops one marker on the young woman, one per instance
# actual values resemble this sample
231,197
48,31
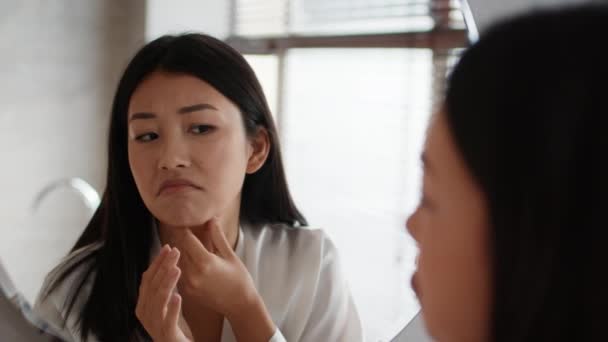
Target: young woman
195,167
511,226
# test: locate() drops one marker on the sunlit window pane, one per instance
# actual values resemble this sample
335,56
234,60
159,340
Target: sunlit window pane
354,122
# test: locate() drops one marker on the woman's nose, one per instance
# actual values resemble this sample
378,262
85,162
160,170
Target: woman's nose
174,154
411,224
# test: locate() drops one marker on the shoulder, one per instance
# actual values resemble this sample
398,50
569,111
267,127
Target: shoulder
297,272
302,246
294,257
70,269
70,279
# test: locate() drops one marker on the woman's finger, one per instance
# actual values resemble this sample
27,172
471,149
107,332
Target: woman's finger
157,306
219,239
148,276
193,249
172,318
205,238
166,289
159,278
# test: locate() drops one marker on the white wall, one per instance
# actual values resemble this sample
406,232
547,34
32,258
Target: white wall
176,16
60,63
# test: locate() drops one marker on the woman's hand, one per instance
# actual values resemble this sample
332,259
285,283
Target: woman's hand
158,306
215,278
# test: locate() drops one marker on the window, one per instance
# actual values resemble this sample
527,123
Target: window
352,84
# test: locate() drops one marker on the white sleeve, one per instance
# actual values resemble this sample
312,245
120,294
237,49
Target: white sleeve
334,316
50,313
51,307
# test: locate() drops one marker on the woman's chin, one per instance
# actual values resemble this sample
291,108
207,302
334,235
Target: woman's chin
182,221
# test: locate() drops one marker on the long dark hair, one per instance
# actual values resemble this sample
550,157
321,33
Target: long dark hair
528,106
122,225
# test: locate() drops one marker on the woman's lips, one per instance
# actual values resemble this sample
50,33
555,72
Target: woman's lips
174,188
176,185
414,281
414,284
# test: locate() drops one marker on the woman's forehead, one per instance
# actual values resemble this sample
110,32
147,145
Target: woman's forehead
172,91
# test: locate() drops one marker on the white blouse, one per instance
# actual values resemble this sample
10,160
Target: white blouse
295,270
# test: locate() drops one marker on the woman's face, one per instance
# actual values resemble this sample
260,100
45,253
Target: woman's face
188,149
451,227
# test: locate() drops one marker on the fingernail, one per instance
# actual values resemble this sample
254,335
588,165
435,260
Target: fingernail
176,298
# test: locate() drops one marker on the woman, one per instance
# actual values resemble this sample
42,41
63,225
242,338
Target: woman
511,224
195,167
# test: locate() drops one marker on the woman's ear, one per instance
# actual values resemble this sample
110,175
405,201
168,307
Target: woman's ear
260,147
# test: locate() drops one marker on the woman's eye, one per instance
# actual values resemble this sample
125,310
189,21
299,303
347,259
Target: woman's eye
425,203
146,137
200,129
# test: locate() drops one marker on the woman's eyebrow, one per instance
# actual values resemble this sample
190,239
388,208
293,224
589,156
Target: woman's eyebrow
184,110
142,116
195,108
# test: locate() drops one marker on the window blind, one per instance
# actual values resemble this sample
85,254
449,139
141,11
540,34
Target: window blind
280,18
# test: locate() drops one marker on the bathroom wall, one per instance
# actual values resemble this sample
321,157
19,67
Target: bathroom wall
59,65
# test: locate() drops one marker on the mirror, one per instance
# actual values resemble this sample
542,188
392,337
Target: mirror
351,102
